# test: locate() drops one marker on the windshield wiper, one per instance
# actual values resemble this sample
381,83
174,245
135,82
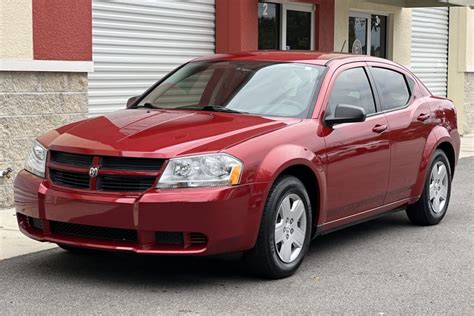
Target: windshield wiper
217,108
213,108
147,105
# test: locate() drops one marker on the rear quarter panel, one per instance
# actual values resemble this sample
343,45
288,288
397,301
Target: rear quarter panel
444,130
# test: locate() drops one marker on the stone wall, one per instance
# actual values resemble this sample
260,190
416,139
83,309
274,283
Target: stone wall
469,103
32,103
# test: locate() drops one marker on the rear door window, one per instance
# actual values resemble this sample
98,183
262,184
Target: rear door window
352,87
392,88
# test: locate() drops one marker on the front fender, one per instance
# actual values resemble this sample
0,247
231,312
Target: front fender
437,136
285,156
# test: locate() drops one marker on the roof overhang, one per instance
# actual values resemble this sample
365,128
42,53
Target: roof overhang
426,3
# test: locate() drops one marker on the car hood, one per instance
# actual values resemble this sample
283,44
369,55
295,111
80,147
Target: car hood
160,133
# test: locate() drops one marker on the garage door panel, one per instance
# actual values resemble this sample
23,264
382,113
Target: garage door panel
136,43
429,48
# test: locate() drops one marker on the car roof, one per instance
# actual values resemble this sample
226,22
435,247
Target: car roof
311,57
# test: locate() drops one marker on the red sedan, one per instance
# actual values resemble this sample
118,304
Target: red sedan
254,152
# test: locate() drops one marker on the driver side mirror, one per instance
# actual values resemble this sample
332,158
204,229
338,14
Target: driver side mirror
131,101
345,113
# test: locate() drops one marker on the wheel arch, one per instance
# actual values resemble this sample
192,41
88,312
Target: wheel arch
301,163
439,138
448,150
311,184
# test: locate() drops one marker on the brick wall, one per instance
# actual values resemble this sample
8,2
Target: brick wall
32,103
469,103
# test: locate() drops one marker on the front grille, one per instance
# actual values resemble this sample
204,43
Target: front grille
70,179
94,232
124,183
197,238
180,239
133,164
108,180
71,159
169,238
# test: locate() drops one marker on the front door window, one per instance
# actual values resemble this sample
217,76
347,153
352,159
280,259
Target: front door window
368,34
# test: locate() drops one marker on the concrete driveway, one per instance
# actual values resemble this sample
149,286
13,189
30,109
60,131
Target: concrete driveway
383,266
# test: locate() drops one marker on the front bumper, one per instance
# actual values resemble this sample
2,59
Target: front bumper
209,220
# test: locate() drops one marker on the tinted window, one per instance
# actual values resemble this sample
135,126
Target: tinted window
392,88
378,37
263,88
298,30
268,26
411,84
358,35
352,87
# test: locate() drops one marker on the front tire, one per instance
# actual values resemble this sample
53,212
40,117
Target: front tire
285,230
433,203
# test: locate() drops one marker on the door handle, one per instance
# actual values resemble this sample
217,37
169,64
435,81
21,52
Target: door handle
423,117
379,128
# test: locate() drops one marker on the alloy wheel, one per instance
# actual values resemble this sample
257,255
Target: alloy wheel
439,186
290,228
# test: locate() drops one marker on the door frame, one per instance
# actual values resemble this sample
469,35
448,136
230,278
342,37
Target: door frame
303,7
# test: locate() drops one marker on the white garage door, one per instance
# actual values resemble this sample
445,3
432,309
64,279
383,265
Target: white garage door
135,43
429,48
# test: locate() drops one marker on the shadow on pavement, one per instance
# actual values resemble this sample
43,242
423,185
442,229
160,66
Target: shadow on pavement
360,233
176,272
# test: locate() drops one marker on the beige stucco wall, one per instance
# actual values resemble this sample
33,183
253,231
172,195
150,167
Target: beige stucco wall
31,104
470,39
399,44
468,106
16,32
459,61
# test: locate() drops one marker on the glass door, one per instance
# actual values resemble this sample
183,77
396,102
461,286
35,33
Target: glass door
298,27
378,35
285,26
359,35
368,34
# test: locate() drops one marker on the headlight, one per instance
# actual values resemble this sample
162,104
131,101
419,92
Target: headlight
212,170
36,159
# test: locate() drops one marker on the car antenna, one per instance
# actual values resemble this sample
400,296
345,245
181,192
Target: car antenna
343,45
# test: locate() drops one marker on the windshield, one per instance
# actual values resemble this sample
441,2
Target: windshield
262,88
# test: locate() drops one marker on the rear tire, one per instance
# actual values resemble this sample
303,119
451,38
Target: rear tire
434,201
285,231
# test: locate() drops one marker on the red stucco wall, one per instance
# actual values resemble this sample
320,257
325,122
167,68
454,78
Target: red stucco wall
237,25
324,25
62,29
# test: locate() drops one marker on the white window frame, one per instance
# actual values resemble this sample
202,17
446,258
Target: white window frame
296,7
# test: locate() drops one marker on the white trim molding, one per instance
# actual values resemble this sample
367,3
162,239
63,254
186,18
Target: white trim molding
46,65
470,69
